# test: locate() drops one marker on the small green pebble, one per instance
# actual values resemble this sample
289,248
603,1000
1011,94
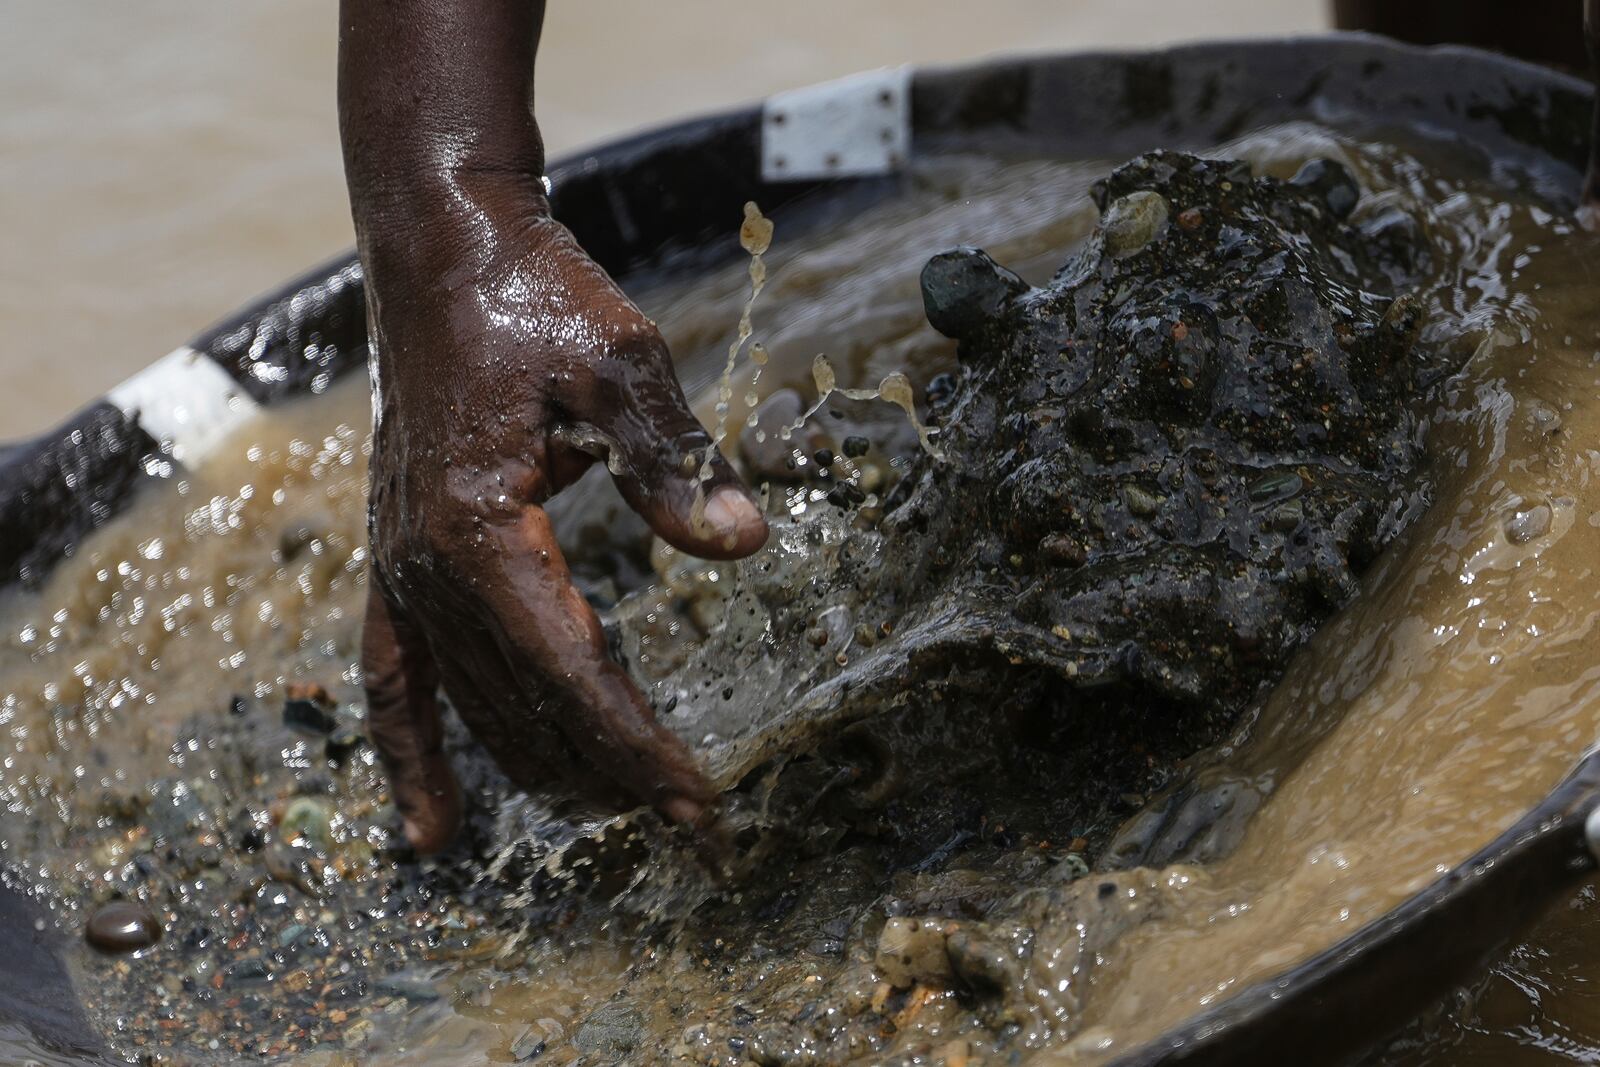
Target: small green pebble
306,818
1141,502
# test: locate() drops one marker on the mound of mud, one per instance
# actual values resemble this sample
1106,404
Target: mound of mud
1157,476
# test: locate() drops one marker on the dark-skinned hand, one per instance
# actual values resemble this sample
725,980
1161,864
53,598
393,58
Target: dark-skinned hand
506,363
511,363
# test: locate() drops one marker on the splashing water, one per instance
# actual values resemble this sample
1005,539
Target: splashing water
755,237
895,388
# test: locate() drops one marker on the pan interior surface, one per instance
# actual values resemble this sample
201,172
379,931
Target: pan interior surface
147,757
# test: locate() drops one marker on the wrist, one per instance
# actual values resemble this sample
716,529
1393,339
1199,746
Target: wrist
434,99
434,194
452,211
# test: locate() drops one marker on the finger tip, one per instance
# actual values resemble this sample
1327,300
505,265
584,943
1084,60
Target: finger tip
737,526
427,838
431,824
681,809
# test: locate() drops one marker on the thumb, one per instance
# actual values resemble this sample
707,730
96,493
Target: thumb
671,473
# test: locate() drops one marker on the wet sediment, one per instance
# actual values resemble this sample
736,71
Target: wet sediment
879,915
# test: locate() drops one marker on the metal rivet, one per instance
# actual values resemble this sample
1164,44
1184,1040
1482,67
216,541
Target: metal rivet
1591,833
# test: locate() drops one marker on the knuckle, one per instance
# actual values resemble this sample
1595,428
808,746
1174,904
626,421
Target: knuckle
635,341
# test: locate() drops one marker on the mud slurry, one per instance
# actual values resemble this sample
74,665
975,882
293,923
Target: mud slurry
1178,455
930,715
1160,474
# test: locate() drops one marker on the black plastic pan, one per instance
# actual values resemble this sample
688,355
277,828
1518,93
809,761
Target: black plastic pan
652,202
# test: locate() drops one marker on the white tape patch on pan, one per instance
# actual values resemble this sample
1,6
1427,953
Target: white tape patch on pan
849,128
185,401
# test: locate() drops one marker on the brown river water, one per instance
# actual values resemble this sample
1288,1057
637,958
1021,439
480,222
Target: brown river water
165,161
143,685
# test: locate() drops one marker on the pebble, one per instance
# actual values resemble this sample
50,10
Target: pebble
244,972
611,1029
1132,221
529,1045
855,447
353,988
1141,502
307,716
1279,485
844,495
122,927
964,288
1543,420
294,866
308,819
1064,549
343,741
957,1053
357,1034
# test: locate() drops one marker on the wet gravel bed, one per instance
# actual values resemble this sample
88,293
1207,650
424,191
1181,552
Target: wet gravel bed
290,918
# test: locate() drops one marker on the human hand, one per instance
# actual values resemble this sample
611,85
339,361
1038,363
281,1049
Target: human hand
507,362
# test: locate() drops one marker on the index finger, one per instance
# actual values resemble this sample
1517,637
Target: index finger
556,648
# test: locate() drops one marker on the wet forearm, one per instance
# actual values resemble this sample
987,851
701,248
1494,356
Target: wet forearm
432,93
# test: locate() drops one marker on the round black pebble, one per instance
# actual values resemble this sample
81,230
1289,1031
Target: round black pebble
856,447
122,927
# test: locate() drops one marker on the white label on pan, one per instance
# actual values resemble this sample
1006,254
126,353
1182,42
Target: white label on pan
186,401
853,127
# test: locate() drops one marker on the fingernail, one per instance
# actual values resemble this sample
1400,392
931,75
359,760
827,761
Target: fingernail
423,839
731,513
681,809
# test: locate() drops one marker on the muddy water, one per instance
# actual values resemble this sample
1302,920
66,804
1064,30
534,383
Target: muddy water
1447,700
1463,684
161,651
